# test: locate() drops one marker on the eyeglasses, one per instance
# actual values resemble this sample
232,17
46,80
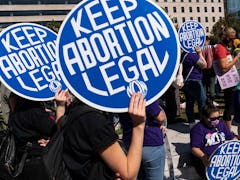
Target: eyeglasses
214,118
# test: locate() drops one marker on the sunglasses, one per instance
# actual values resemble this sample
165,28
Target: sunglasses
214,118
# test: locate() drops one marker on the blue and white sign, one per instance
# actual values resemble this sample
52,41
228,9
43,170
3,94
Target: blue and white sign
28,61
225,162
191,34
109,49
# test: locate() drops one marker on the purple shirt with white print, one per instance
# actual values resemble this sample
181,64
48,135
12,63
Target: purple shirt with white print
208,139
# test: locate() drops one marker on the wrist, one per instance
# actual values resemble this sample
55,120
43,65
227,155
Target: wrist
139,125
60,103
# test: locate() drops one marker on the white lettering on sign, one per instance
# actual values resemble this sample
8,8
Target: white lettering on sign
225,164
109,41
23,37
191,34
29,54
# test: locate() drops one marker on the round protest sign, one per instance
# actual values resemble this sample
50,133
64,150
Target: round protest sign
191,34
225,162
109,49
28,64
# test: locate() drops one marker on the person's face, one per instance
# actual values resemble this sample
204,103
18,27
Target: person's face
227,40
213,119
229,37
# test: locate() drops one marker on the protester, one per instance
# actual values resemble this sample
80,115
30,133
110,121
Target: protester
193,88
225,62
209,76
31,124
236,98
91,149
236,50
237,108
206,136
153,156
171,102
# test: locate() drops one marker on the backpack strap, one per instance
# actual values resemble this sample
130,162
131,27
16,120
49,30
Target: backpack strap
190,69
10,153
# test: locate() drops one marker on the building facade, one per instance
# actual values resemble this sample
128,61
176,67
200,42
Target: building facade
233,7
206,12
37,11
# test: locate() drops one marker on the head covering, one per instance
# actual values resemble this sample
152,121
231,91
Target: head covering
18,103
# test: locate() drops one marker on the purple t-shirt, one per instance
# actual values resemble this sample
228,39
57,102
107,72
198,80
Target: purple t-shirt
153,135
191,59
208,139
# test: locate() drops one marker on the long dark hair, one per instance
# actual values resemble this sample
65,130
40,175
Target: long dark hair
17,103
208,109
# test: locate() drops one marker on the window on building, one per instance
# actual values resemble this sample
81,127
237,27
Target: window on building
199,19
197,1
212,9
212,0
183,19
175,20
166,9
189,0
174,9
207,29
182,9
173,0
219,9
205,9
205,1
190,9
156,0
219,1
198,9
165,0
213,19
39,2
206,19
182,0
191,18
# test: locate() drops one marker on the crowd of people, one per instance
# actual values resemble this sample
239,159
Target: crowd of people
91,146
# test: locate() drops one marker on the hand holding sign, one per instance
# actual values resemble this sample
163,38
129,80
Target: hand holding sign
110,49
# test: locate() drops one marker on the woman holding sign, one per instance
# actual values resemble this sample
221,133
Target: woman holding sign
91,149
193,64
206,136
32,124
223,63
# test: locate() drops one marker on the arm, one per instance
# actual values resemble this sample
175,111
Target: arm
202,63
62,99
200,154
161,117
225,65
128,165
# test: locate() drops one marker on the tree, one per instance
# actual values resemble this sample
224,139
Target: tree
229,20
54,25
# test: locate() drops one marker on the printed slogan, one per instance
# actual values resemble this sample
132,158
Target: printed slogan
115,46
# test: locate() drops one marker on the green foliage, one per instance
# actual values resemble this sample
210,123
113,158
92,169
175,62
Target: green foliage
53,25
229,21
